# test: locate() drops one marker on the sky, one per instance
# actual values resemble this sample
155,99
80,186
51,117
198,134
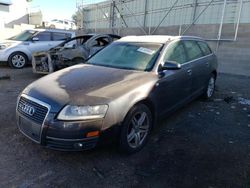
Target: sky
57,9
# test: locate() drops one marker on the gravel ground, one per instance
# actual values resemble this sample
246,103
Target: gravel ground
205,144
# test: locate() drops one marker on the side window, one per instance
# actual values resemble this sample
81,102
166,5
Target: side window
68,35
104,41
193,50
100,42
44,36
176,52
205,48
59,36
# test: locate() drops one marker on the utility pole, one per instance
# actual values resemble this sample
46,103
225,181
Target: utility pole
79,6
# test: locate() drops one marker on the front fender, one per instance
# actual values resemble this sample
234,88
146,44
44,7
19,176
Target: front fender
119,107
23,50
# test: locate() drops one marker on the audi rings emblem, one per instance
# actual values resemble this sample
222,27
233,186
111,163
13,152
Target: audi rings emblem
27,109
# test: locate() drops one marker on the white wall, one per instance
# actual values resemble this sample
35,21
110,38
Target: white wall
13,12
9,32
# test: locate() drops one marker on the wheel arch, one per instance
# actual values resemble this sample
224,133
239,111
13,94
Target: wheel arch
148,102
214,72
27,55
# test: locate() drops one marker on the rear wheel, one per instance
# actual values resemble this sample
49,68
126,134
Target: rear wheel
210,87
135,129
18,60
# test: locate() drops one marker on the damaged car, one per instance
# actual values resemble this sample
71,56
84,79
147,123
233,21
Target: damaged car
18,50
70,52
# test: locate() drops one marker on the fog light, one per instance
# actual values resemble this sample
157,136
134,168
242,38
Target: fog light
80,145
93,133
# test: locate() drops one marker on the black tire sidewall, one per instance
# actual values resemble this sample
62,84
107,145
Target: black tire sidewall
17,53
124,146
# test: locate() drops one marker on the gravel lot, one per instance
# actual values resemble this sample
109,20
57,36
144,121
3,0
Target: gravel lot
205,144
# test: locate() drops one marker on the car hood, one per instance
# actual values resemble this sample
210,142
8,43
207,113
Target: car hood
87,85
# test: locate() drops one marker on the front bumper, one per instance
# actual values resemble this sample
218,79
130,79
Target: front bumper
52,133
71,144
42,63
3,56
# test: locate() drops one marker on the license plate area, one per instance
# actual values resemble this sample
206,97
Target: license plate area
30,129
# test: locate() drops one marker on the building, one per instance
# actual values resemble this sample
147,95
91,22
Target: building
13,12
225,24
16,16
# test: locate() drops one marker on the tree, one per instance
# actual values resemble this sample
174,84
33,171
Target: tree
77,17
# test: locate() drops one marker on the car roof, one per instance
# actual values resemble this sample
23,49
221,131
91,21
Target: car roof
156,38
51,30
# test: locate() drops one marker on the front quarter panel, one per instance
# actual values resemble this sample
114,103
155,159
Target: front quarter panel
214,63
19,48
119,107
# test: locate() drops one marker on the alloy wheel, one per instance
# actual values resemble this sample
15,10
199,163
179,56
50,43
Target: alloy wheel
18,61
211,87
138,129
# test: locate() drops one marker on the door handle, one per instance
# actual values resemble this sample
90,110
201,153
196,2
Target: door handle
207,64
189,72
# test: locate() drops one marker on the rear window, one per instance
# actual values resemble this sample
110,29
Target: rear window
205,48
193,50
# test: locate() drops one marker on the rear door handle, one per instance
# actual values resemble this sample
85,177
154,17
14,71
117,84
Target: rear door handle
189,72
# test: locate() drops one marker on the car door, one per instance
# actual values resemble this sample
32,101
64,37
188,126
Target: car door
58,38
174,87
40,42
198,65
208,60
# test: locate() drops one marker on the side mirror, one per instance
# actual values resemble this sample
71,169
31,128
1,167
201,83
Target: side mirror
35,39
170,65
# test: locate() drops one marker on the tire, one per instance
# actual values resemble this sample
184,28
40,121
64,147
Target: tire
52,26
210,87
17,60
135,129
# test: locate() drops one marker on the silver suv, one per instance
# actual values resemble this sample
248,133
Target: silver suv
17,50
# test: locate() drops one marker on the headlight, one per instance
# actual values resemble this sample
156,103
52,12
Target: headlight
82,112
2,47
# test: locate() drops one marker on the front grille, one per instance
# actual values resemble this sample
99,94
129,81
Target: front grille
39,58
39,114
54,57
41,63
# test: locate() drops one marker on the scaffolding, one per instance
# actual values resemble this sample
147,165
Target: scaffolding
151,15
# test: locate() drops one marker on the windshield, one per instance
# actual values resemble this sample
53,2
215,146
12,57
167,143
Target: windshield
23,36
135,56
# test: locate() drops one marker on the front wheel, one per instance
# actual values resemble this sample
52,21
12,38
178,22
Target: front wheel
52,26
135,129
210,87
18,60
